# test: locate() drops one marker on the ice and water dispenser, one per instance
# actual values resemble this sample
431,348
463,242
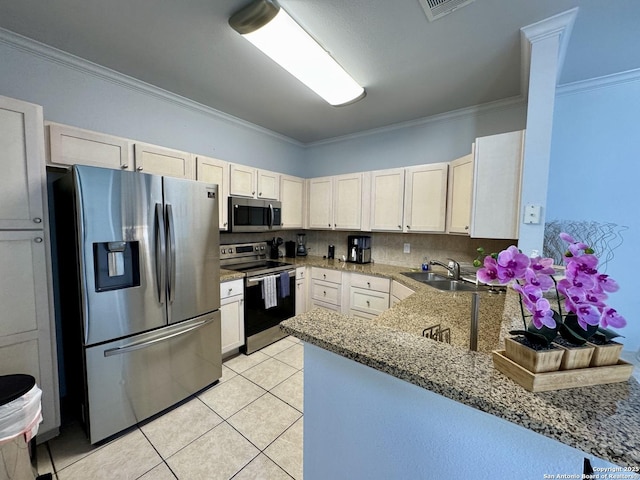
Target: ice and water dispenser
116,265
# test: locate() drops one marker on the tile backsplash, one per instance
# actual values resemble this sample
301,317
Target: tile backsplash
386,248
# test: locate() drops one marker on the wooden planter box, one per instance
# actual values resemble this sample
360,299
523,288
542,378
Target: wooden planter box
577,357
535,361
544,382
605,354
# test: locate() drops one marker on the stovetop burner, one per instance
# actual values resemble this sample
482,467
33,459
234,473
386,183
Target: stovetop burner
250,259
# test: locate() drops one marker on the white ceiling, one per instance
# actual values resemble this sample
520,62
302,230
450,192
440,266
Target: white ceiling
411,68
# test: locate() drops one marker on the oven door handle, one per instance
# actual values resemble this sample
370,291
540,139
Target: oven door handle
256,280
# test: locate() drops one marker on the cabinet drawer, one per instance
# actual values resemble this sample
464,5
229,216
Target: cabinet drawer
400,291
231,288
358,314
301,272
369,301
369,282
325,292
334,276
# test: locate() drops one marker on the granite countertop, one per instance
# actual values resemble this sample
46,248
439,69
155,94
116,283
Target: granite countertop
603,420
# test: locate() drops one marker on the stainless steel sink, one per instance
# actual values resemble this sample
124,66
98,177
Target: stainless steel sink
443,283
424,276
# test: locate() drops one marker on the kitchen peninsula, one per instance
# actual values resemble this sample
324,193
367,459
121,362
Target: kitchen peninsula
382,400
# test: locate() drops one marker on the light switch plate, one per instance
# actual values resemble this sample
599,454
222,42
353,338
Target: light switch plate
407,248
532,213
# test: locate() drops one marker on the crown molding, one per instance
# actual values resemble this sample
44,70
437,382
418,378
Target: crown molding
596,83
441,117
559,25
74,62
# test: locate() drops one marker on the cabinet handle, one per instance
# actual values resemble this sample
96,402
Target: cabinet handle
466,227
225,224
230,290
259,194
408,227
38,239
324,275
124,166
324,292
369,284
139,169
400,227
368,303
328,225
253,193
335,225
37,220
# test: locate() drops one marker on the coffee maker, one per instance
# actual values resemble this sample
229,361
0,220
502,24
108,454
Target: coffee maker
359,249
301,251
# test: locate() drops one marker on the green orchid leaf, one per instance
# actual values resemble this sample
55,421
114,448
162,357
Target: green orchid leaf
573,332
605,335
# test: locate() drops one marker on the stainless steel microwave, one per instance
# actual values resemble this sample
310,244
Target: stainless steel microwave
254,215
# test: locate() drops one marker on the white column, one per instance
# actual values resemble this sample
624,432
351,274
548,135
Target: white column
545,43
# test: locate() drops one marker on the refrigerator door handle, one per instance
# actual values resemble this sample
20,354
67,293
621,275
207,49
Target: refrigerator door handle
171,264
146,343
160,254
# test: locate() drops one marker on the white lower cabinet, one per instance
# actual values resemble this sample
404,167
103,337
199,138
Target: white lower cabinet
326,288
368,296
399,292
301,290
232,310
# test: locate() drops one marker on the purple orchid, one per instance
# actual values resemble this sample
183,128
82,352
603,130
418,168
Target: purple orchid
543,315
610,317
512,264
488,273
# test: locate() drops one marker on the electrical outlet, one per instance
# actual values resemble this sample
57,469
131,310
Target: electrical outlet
407,248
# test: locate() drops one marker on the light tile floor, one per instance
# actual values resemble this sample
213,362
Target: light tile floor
248,426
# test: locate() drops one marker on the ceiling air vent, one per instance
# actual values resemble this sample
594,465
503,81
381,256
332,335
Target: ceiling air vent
439,8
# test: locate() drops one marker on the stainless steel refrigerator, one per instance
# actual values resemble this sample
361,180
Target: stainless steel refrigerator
138,262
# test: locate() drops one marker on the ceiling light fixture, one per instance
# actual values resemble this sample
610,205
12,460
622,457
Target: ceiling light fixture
272,30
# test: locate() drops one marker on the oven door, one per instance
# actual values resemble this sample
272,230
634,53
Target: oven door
261,325
252,215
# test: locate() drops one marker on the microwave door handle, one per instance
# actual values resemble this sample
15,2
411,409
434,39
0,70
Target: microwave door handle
171,264
160,254
270,216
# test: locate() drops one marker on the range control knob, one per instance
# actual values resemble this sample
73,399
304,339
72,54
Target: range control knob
231,250
262,247
257,248
222,251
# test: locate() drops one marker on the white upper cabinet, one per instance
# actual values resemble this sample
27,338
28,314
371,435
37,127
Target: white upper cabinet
387,200
243,180
254,183
425,198
268,185
347,208
496,185
70,146
22,163
459,194
212,170
321,203
164,161
336,202
292,198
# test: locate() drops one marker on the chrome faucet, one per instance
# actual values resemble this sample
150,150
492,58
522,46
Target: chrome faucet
453,267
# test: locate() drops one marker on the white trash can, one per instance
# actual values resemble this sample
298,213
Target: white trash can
20,416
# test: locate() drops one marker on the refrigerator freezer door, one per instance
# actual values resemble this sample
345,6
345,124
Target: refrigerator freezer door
193,256
132,379
114,206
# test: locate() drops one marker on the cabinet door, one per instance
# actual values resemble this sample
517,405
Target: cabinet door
387,194
321,203
243,180
301,296
459,194
22,163
27,340
212,170
232,324
164,161
426,198
347,209
268,185
496,180
292,198
70,146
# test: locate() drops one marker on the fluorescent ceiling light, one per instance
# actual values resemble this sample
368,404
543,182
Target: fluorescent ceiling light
273,31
